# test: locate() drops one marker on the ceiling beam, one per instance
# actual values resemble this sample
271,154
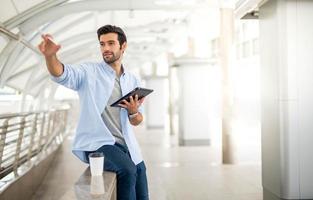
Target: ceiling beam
21,73
18,38
67,26
6,52
57,12
56,32
35,72
23,16
7,69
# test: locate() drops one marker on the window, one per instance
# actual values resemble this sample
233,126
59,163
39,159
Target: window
214,48
246,49
255,46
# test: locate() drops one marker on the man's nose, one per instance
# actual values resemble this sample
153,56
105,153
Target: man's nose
105,48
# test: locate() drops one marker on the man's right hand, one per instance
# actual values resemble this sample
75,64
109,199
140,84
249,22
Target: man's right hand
47,47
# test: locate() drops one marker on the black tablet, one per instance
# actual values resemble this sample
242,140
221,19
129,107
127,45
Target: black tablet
141,92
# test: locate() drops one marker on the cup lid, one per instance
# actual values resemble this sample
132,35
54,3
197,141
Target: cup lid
96,154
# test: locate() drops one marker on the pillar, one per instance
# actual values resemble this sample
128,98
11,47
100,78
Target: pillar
286,46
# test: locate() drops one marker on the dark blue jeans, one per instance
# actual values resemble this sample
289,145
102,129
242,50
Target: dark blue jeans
131,179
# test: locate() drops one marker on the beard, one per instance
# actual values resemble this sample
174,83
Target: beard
113,57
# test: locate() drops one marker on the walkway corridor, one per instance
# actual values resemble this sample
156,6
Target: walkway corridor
174,172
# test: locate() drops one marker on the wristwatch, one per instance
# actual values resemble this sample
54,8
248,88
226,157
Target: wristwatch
131,116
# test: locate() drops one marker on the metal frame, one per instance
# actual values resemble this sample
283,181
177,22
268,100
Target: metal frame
91,5
21,17
21,73
51,133
10,57
49,9
8,69
6,52
19,38
29,82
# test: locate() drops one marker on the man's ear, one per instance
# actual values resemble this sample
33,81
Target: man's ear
124,46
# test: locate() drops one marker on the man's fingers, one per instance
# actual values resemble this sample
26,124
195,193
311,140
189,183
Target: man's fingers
49,35
58,47
41,46
136,97
141,100
48,38
47,46
122,105
131,99
125,102
44,37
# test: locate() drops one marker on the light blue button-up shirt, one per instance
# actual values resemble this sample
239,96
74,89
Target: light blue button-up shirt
94,84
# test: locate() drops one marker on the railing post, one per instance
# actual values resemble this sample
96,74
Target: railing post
65,112
18,146
54,127
42,129
60,121
56,133
32,136
51,127
46,136
3,135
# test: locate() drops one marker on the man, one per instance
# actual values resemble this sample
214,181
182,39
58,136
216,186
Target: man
102,128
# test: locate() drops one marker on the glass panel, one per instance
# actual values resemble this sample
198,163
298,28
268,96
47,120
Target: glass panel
3,42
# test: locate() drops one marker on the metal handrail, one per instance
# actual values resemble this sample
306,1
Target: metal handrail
19,38
20,143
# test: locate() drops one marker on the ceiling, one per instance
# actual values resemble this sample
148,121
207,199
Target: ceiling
153,28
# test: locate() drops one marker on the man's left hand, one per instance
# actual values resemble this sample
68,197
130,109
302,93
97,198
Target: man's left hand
133,104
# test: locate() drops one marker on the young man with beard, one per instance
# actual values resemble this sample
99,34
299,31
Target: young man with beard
102,128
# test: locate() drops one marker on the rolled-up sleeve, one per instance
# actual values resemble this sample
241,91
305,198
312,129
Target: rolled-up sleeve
72,77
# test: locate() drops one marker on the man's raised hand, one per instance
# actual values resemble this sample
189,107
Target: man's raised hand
47,46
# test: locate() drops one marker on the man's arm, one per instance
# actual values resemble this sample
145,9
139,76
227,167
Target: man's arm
54,66
134,116
69,76
49,49
136,119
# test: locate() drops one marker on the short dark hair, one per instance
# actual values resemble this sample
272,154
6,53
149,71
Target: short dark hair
112,29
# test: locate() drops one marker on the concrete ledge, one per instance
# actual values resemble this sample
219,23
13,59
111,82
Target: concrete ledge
27,184
88,187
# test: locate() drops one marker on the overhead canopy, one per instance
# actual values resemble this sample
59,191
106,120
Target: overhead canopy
153,27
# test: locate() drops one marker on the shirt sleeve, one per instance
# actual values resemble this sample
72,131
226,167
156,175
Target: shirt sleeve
72,77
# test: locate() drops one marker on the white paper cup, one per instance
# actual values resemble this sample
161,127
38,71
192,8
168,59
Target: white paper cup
97,185
96,161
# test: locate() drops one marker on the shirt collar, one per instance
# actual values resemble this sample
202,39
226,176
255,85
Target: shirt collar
123,70
109,68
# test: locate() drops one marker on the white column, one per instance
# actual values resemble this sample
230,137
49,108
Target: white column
199,102
225,51
156,106
286,46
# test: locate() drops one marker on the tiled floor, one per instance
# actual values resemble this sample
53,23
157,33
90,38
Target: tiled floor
174,173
